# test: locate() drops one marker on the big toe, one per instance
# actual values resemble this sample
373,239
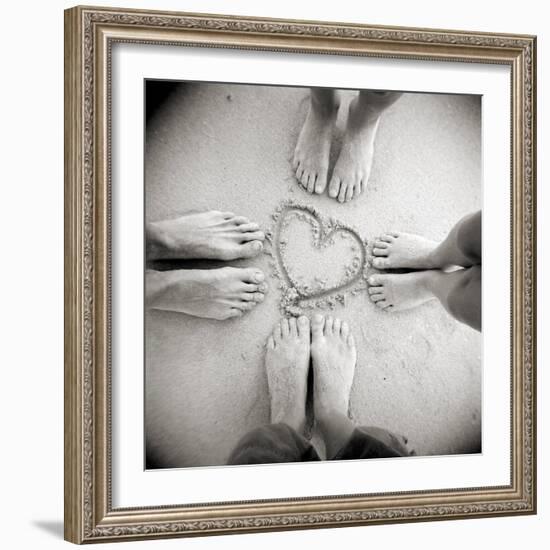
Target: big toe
334,187
376,280
321,182
252,275
381,263
317,325
251,249
303,326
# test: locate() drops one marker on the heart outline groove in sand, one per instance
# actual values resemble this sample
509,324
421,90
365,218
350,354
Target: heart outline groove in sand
297,297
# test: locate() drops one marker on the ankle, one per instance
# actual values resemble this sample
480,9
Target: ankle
431,280
156,241
325,416
324,108
434,260
295,418
362,113
336,430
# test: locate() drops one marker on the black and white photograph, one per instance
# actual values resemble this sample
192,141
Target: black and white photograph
312,274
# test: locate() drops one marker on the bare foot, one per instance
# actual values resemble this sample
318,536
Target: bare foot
397,292
404,250
333,357
210,235
287,364
311,155
219,294
352,170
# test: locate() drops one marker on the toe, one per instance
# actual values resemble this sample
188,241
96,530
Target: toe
375,280
304,179
375,290
343,191
251,275
380,251
285,328
336,326
303,326
240,220
321,182
377,297
227,215
263,288
350,191
311,182
271,342
277,333
258,297
317,325
344,330
329,321
292,326
234,312
334,187
380,244
250,249
249,227
351,341
382,304
252,236
387,238
299,173
359,187
380,263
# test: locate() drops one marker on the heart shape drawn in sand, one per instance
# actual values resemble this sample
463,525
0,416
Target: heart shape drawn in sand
319,261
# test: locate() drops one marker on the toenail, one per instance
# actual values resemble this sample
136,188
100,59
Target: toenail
318,317
263,287
259,277
257,245
302,320
371,281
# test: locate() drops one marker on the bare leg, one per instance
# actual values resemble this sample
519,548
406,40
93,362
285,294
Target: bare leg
333,356
458,291
287,365
313,148
352,170
461,247
204,235
220,294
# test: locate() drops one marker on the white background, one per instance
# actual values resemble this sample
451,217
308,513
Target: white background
31,243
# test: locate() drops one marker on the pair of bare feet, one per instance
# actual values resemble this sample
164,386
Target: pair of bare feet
401,291
353,167
222,293
330,346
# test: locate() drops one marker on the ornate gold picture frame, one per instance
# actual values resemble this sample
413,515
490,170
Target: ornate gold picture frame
90,34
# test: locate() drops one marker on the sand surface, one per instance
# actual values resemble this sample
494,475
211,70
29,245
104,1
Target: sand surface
229,147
